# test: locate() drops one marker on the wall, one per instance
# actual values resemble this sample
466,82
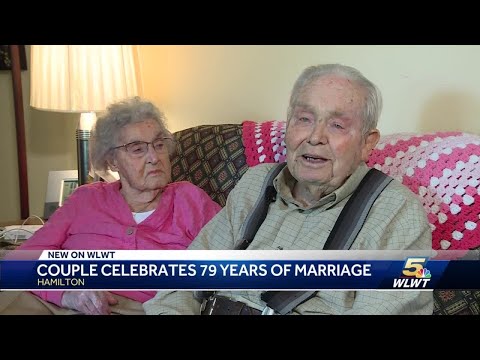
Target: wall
425,88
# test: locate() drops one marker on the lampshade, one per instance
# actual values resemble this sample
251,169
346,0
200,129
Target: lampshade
81,78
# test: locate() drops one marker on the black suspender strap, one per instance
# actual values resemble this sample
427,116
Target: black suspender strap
256,217
355,212
343,234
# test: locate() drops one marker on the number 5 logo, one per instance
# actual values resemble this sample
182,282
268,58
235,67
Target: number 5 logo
413,265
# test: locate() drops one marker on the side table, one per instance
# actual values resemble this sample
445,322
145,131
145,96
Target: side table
10,244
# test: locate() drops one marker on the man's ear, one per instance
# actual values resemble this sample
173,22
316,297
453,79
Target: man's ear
370,141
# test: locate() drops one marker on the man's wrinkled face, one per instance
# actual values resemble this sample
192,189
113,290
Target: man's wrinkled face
324,137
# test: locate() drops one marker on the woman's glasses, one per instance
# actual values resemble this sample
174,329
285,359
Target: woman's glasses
140,148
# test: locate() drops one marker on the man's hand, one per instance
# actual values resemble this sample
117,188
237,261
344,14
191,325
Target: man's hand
89,302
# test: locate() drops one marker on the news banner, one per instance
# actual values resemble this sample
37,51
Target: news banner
238,270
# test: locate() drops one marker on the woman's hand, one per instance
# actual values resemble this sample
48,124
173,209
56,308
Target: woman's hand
89,302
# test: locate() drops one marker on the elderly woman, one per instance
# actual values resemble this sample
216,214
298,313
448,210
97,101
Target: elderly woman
143,210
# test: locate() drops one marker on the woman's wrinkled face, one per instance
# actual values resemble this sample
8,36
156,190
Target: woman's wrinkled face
139,170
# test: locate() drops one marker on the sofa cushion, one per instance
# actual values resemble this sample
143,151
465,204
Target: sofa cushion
211,157
442,168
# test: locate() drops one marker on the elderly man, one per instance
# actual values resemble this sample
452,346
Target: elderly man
331,131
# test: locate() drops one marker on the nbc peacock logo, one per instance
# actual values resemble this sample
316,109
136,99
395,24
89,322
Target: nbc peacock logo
423,274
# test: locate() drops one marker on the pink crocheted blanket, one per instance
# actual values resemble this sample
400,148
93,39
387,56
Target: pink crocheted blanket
442,168
264,142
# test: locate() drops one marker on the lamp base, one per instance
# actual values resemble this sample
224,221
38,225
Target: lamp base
83,135
83,162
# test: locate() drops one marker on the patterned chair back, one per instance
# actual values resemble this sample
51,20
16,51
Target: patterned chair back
211,157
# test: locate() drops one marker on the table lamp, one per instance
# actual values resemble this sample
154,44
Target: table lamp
83,79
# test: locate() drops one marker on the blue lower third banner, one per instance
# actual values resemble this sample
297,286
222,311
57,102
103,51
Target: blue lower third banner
116,270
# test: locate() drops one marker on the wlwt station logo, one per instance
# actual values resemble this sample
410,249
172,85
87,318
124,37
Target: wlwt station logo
414,274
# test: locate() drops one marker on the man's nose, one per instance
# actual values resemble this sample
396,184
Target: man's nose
318,134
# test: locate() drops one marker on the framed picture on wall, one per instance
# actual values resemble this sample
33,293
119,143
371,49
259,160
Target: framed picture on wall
5,60
61,184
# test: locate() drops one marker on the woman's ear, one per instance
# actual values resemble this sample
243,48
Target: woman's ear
112,163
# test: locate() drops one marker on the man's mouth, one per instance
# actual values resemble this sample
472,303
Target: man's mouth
314,159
